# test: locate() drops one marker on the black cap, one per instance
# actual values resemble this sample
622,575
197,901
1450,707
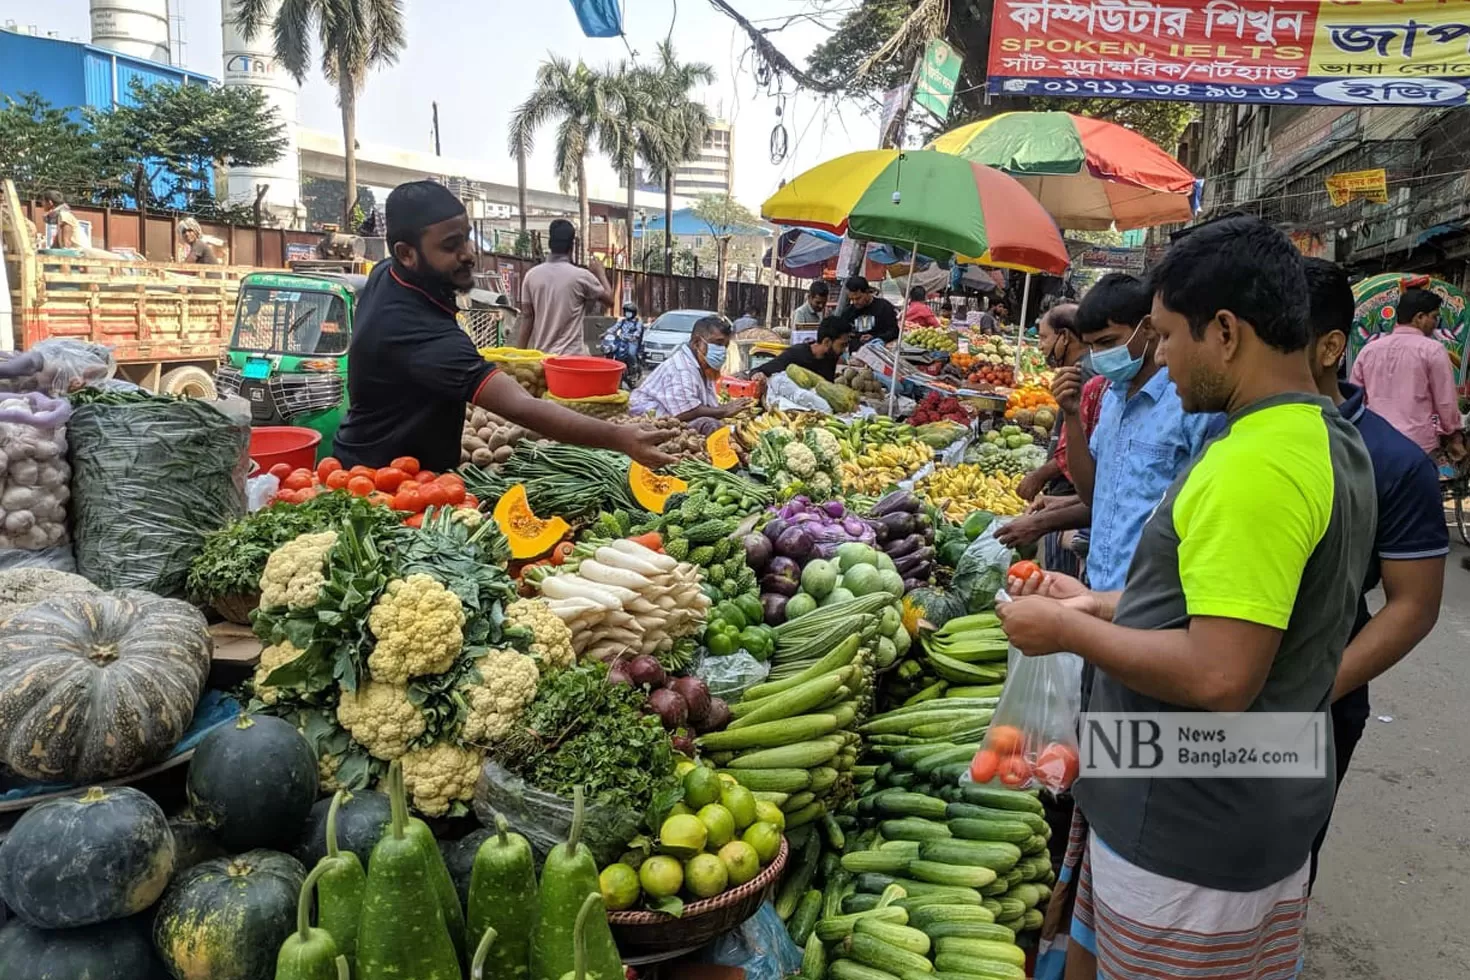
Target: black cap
858,284
414,206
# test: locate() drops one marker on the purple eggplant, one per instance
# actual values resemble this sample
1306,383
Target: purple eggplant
795,542
773,605
758,550
899,525
774,528
880,530
923,570
914,558
895,502
905,546
774,584
910,584
784,567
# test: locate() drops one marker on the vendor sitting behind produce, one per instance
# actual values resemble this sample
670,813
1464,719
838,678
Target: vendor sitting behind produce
412,368
683,386
918,312
869,315
819,356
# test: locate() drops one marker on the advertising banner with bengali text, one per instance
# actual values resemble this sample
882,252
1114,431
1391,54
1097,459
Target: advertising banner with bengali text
1311,52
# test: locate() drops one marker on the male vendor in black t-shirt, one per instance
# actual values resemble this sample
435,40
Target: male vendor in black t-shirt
870,315
411,368
820,356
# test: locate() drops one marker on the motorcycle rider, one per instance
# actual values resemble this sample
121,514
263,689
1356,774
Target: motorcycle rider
624,342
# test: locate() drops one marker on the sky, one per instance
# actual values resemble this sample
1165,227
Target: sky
480,66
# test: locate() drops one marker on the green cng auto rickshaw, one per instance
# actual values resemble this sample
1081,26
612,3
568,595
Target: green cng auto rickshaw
288,351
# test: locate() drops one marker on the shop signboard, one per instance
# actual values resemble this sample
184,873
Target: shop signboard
1367,185
938,75
1306,52
1112,259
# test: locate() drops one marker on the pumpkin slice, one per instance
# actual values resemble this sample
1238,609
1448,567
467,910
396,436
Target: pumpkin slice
653,490
721,449
529,535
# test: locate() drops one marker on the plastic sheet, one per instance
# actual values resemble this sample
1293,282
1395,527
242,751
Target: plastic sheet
149,480
731,676
55,367
260,491
981,571
761,946
787,395
34,482
545,819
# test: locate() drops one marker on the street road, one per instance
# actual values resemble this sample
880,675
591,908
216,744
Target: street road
1394,886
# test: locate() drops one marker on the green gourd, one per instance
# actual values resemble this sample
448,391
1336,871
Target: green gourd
482,950
339,889
402,932
443,884
503,898
579,937
344,972
567,877
307,954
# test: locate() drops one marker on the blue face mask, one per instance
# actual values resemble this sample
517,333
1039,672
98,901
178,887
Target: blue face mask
714,355
1117,364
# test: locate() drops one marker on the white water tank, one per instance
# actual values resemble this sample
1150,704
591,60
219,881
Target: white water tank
253,63
133,27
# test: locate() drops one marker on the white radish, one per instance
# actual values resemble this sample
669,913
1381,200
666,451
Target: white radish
576,587
652,557
595,571
631,562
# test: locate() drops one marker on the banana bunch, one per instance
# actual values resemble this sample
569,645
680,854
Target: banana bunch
879,467
958,490
749,431
861,435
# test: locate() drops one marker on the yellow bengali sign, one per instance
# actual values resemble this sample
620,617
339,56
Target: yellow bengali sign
1369,185
1391,39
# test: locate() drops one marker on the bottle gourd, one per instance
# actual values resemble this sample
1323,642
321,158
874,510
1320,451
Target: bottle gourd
503,898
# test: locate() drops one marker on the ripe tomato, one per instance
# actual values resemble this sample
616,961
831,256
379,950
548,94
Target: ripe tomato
281,470
337,479
1005,739
388,479
983,766
299,479
302,496
286,496
407,499
453,489
1015,771
360,486
327,467
407,464
425,476
1057,766
470,500
417,520
1024,570
379,497
433,495
366,471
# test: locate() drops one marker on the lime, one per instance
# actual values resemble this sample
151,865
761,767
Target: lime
705,875
684,767
683,834
661,876
619,884
741,804
770,813
740,861
701,787
765,839
719,822
680,809
728,780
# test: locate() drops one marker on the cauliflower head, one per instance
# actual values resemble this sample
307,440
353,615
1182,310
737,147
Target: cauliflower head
821,485
825,445
441,774
551,642
799,459
507,684
326,771
296,571
381,718
419,628
272,657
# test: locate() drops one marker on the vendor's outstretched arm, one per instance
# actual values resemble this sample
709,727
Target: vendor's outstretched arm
504,396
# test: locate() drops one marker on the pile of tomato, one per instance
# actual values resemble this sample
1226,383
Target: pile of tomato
401,485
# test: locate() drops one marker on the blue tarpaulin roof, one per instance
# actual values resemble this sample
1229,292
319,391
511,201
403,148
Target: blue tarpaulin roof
685,223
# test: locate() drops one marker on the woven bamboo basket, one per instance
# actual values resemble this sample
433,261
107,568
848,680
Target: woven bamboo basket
237,608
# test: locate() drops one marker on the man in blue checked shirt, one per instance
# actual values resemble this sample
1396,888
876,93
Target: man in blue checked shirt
1143,438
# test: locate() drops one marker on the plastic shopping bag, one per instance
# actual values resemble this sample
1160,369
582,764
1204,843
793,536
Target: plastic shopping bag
1032,739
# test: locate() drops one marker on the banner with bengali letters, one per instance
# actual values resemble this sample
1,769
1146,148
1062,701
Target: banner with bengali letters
1312,52
1370,185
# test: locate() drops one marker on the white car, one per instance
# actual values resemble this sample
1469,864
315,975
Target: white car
670,331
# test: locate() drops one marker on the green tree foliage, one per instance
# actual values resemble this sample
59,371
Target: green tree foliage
725,218
325,199
42,147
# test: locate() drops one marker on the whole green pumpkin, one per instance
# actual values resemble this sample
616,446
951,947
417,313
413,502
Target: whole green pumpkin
106,951
252,782
82,859
226,919
361,820
96,686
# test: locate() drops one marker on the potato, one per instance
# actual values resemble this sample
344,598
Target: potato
503,453
471,443
482,457
497,438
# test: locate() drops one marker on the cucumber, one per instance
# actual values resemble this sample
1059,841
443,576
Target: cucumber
798,755
832,830
772,780
977,969
1034,844
912,886
853,970
909,756
967,897
900,936
908,848
958,753
964,876
882,862
810,813
1012,831
798,877
905,780
813,958
835,927
1010,908
1032,920
995,889
798,801
973,811
1029,895
928,916
769,734
884,773
970,930
874,952
992,906
919,829
776,798
873,882
983,949
998,856
804,919
949,773
858,902
823,779
1015,923
1002,799
899,803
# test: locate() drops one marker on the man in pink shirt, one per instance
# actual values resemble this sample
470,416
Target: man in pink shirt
1407,377
918,311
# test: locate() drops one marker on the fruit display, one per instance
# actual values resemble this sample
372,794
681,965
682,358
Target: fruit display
995,458
880,467
401,485
799,463
861,379
958,490
992,376
1031,397
932,338
1033,366
488,438
934,407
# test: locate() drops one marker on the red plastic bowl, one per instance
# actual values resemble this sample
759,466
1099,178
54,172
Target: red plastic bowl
293,444
582,377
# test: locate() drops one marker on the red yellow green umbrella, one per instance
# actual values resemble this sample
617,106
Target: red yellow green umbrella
940,204
1087,173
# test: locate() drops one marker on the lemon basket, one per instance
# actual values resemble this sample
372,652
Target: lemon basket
701,921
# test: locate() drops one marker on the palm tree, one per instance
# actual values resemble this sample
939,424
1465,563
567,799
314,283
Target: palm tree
682,122
631,125
355,36
578,99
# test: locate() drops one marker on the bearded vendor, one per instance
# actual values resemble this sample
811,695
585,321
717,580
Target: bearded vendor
411,368
683,387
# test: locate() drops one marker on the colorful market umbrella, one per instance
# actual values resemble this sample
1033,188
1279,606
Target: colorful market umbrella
1087,173
941,205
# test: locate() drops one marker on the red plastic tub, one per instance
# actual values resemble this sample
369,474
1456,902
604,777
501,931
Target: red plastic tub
582,377
293,444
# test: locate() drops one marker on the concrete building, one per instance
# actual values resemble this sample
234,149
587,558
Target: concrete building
713,171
